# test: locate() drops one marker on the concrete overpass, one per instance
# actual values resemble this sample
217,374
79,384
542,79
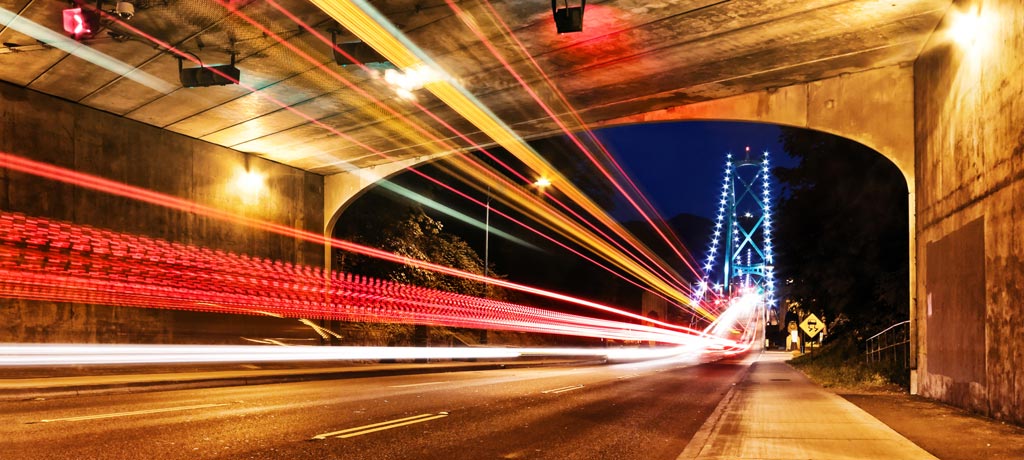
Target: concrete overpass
883,73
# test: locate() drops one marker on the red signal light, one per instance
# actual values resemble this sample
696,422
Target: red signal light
80,23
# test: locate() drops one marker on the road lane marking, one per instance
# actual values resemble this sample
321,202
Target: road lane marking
628,376
562,389
367,429
416,384
127,414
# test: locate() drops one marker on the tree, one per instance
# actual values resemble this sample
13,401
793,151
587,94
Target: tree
841,234
405,229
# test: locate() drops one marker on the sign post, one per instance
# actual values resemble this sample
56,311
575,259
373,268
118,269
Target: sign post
811,326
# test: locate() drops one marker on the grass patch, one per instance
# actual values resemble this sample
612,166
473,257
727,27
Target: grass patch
840,364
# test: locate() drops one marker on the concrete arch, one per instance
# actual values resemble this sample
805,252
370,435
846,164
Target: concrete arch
342,189
874,108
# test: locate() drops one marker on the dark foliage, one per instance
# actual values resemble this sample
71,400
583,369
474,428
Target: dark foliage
404,229
842,233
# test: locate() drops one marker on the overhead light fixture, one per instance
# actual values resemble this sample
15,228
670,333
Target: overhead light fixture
568,19
215,75
357,52
81,23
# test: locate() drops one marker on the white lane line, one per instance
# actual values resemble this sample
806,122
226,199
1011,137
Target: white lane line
628,376
417,384
562,389
128,414
366,429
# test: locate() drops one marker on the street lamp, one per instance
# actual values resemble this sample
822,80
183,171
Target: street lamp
487,256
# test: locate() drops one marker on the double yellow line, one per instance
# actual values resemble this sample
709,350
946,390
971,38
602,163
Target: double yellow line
373,428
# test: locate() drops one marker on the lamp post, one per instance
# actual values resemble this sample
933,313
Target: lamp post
487,256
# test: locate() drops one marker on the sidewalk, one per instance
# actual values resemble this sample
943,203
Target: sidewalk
777,413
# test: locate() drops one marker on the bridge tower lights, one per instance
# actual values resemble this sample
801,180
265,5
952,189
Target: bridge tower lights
745,256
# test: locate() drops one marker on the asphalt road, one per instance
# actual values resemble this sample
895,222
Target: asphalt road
620,411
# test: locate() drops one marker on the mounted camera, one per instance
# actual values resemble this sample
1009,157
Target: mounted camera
125,9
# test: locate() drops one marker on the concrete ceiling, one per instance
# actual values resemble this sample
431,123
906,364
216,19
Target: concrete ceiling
632,57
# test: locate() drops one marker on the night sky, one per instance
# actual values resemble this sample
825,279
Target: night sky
679,165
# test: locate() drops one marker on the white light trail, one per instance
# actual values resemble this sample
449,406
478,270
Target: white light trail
67,354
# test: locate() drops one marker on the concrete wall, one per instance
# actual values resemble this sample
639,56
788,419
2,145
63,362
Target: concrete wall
52,130
969,126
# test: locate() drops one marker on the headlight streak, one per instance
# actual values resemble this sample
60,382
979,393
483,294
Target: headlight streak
57,261
67,354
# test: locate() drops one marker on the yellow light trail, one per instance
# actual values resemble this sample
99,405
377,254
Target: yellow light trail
358,18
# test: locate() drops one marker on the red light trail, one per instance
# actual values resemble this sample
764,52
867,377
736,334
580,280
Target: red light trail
56,261
57,173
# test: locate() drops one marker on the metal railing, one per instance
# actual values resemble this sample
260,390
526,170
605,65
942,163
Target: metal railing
891,345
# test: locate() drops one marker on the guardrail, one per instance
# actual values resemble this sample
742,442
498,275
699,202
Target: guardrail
891,345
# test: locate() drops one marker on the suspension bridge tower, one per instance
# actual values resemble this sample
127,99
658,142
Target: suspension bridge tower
740,257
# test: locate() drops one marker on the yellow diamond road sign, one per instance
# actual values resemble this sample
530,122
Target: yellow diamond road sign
812,325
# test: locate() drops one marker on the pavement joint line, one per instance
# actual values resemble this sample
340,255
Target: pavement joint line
127,414
700,438
374,427
562,389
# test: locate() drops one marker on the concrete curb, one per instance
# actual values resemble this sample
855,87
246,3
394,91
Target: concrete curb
700,438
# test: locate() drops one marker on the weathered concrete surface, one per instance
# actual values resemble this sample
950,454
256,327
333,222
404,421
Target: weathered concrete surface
73,136
970,185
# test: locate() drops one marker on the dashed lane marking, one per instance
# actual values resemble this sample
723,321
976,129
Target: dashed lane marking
128,414
417,384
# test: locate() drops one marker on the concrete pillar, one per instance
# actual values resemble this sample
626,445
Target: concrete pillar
969,108
59,132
